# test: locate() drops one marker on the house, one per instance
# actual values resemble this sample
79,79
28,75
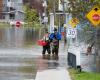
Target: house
11,10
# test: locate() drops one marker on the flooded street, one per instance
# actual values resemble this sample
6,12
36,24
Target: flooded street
17,68
49,39
18,37
20,57
20,64
15,62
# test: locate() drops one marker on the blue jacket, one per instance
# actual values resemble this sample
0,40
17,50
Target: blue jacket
58,36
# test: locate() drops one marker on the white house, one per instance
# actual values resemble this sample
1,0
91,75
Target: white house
13,10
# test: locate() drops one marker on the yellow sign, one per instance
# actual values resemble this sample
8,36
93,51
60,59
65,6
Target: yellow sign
94,16
74,22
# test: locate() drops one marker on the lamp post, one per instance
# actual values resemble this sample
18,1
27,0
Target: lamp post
64,21
45,19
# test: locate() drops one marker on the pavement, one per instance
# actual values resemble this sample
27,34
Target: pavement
53,74
57,70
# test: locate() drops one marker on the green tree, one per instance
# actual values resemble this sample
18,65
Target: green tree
31,16
88,33
79,8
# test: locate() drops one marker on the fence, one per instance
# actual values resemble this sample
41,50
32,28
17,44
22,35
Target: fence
71,60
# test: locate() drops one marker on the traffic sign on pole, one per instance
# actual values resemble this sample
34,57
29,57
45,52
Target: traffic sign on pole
73,22
71,33
45,19
18,24
94,16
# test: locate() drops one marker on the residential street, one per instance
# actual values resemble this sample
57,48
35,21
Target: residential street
21,64
49,39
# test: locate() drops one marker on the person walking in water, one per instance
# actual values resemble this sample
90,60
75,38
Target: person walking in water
47,46
55,37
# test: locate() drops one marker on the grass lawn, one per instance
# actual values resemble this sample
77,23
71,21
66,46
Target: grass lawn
83,75
2,25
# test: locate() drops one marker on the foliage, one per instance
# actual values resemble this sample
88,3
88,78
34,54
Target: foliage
78,7
31,16
75,7
83,75
4,25
51,5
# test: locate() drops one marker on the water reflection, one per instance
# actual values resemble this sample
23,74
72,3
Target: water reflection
18,37
21,63
17,64
50,62
17,67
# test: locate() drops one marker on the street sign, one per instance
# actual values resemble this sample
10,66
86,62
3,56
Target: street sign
18,23
45,19
71,32
94,16
73,22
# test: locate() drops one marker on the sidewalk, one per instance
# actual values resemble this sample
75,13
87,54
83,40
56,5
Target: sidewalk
54,70
53,74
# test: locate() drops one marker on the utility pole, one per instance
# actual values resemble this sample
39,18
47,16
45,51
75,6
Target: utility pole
60,9
9,5
54,9
45,20
97,57
64,17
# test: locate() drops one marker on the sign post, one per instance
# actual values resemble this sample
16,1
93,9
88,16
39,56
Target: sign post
51,23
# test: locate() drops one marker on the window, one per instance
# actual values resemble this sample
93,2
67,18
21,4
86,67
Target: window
12,9
12,16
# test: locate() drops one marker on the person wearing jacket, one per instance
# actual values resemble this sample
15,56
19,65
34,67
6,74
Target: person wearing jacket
54,38
47,46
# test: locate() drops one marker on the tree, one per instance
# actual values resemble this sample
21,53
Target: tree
88,33
79,8
31,16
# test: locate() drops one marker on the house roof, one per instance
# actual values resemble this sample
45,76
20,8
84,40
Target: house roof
14,11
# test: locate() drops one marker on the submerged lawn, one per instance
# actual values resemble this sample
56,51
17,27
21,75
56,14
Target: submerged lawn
3,25
83,75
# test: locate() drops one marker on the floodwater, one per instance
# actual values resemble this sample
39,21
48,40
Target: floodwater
14,65
18,37
20,56
18,67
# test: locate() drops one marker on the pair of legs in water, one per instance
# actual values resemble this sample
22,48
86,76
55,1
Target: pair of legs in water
47,48
55,50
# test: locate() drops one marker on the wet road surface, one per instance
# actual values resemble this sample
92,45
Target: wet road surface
22,64
17,68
